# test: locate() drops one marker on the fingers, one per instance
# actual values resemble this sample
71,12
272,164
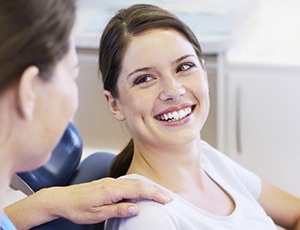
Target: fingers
135,189
106,212
120,210
152,192
100,200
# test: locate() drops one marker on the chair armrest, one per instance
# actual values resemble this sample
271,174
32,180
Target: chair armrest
94,167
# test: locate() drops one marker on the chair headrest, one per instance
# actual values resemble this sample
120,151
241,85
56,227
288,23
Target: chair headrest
63,162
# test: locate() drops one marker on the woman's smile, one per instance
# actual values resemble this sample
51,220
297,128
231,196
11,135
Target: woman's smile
172,115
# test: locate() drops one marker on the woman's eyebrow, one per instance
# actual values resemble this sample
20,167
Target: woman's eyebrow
184,57
139,70
148,68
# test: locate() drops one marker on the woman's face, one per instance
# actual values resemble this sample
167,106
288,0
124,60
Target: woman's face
163,89
56,103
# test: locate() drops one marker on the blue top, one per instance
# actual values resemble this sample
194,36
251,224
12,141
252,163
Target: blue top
6,224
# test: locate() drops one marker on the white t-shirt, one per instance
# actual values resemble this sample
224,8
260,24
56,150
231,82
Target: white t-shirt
242,185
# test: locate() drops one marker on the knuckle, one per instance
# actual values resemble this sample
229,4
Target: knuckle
120,211
139,184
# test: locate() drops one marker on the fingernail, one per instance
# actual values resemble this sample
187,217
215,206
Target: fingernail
133,210
168,198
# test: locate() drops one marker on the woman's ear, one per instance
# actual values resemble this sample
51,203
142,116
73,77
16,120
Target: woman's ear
26,92
113,106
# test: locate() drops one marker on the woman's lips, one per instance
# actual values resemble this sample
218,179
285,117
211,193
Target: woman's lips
175,115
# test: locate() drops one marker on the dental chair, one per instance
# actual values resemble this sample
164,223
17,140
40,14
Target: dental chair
64,168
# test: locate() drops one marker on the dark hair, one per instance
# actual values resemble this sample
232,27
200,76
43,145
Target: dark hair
33,32
116,36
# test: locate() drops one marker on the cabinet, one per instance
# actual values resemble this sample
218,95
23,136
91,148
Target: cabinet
262,125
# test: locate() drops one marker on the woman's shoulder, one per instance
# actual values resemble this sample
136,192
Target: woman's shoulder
218,163
151,213
212,157
150,206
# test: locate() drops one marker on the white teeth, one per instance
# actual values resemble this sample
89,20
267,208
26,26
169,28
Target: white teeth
164,117
176,115
182,113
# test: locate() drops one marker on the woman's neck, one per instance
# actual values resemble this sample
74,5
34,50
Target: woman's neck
180,171
5,178
173,168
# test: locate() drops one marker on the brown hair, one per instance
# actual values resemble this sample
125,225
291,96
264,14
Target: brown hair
33,32
126,24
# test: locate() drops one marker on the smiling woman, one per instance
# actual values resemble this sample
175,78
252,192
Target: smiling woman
155,81
176,78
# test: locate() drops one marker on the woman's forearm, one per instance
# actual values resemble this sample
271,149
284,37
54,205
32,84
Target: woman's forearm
33,210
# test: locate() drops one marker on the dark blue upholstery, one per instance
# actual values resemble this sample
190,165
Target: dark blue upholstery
62,164
93,167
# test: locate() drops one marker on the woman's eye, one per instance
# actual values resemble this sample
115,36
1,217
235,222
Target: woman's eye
185,66
142,79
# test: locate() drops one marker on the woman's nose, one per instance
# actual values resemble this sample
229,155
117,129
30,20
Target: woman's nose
171,89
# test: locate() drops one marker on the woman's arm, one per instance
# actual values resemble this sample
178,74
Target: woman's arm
281,206
86,203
